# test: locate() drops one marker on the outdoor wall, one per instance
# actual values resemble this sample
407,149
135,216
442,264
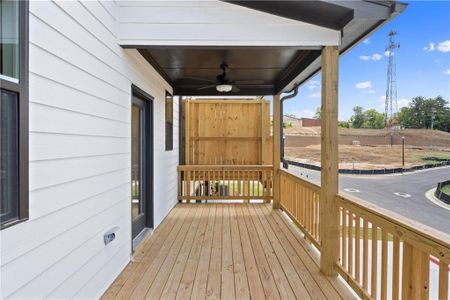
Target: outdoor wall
307,122
214,23
384,140
80,161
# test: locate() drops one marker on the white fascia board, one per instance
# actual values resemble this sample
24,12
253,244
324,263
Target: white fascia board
213,23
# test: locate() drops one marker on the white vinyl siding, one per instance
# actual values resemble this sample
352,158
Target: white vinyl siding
215,23
80,160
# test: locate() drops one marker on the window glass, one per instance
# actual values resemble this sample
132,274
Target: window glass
9,45
169,122
9,185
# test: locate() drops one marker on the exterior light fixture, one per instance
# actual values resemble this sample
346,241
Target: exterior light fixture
224,88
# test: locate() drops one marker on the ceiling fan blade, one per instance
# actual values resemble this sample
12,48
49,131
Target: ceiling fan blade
235,89
206,87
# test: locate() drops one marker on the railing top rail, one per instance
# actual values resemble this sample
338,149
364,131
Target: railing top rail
312,184
437,243
224,167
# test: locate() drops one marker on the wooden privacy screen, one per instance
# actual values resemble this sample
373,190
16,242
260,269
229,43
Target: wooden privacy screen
227,132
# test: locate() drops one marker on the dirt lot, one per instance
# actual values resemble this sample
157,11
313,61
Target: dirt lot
423,146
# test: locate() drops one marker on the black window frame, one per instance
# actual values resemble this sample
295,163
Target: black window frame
168,130
21,89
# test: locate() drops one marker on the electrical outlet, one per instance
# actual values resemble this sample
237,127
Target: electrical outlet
110,235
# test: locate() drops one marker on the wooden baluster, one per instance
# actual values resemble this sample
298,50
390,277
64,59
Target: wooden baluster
357,248
416,269
238,183
297,201
443,280
179,185
246,186
188,187
229,183
365,254
350,243
421,274
374,274
344,238
384,264
307,209
406,272
266,186
316,218
302,205
395,267
311,212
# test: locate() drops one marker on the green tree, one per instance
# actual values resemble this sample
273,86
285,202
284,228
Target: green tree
317,113
344,124
423,113
373,119
357,120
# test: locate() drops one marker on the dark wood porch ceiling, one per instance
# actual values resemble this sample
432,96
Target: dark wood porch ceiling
256,70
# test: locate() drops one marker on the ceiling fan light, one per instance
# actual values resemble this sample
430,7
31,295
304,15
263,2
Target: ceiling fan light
224,88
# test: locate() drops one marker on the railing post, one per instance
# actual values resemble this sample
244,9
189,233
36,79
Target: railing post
276,151
329,225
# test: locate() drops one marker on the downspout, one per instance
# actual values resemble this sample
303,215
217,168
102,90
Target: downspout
294,93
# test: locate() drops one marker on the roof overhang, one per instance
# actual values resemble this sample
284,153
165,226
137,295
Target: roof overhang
369,16
263,68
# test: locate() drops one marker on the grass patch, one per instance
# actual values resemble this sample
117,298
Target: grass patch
446,189
434,158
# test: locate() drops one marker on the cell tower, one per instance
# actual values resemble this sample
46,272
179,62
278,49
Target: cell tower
391,105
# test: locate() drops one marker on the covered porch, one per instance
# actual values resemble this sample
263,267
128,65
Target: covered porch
304,239
227,251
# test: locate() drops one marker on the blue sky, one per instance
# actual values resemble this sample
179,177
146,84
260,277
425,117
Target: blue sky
423,69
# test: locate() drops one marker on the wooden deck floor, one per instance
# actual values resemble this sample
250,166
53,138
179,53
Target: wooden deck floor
225,251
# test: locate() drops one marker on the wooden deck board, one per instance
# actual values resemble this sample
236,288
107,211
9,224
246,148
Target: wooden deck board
225,251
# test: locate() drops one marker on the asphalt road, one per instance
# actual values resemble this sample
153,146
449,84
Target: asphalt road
410,201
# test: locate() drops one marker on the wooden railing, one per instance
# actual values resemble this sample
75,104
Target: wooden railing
407,261
397,265
225,182
299,199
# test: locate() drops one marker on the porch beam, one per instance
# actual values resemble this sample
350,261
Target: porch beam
329,225
276,150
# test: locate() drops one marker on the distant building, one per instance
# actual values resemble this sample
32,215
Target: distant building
301,122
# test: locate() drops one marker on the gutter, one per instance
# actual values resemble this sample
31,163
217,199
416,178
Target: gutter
287,97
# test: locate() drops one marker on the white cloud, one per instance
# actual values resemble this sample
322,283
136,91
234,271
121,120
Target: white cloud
389,53
374,57
430,47
377,56
363,85
365,57
315,95
447,72
313,84
444,46
403,102
366,41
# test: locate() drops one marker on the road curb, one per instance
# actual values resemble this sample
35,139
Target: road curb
372,172
430,196
440,194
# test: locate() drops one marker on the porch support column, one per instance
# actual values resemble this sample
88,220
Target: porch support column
276,151
329,220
